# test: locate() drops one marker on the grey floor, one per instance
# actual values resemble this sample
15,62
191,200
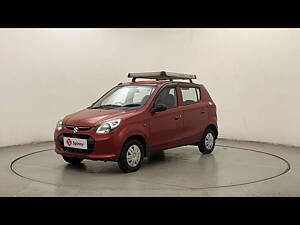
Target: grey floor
235,168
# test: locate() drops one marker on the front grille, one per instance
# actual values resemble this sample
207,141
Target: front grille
90,143
79,128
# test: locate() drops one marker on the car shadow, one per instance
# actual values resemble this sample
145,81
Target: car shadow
108,168
155,158
78,167
207,163
93,167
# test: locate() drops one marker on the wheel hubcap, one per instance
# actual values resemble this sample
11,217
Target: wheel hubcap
209,141
133,155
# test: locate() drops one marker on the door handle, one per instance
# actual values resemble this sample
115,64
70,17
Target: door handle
203,112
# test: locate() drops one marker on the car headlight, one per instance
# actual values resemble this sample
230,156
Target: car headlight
59,125
108,126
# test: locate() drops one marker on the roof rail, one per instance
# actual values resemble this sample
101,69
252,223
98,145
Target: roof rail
162,76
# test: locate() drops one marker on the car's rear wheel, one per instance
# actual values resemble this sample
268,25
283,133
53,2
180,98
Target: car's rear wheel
207,144
131,157
72,160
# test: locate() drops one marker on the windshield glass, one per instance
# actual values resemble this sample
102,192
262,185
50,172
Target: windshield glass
125,96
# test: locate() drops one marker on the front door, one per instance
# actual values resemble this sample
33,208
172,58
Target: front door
165,126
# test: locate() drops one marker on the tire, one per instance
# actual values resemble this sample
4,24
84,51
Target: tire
131,157
207,144
72,160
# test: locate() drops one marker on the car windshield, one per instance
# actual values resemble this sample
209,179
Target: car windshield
125,97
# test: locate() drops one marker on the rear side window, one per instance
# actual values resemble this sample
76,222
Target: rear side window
190,95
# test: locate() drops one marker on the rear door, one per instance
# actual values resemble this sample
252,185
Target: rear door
166,126
194,112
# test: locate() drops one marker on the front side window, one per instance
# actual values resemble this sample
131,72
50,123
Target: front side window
167,97
125,96
190,95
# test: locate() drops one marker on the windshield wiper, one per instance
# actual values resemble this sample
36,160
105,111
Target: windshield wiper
131,105
111,106
106,106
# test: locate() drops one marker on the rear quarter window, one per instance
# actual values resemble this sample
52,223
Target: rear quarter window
190,95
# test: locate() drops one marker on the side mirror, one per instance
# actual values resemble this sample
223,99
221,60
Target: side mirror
158,108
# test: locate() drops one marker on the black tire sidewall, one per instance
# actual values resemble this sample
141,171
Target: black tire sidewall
202,147
122,162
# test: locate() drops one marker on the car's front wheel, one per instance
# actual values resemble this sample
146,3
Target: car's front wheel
131,157
207,144
72,160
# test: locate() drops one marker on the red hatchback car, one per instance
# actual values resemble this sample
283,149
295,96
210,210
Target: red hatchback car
136,118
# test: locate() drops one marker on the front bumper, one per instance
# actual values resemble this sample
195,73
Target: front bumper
100,147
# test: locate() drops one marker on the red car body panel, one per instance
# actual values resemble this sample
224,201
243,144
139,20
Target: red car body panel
174,127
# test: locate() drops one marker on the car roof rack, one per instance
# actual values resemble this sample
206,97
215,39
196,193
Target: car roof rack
162,76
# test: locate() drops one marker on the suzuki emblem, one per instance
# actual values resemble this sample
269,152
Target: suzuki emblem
75,129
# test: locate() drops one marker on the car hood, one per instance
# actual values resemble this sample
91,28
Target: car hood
92,117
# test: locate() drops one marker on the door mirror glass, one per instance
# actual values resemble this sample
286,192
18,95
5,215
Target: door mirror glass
158,108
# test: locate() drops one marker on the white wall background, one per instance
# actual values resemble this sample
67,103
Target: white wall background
252,75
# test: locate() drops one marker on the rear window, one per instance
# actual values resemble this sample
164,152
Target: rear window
190,95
